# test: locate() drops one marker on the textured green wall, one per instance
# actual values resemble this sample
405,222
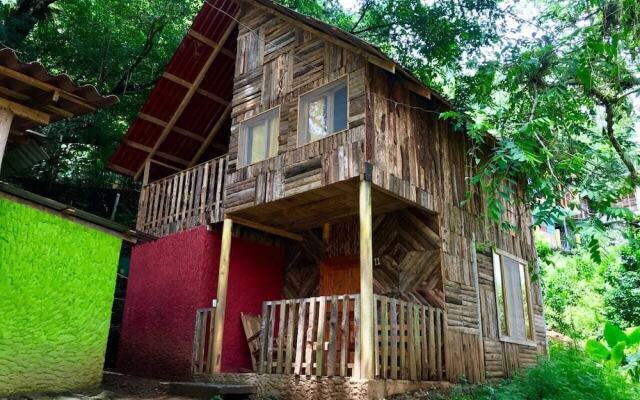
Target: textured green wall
57,279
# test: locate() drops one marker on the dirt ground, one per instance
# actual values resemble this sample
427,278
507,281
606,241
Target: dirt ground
115,386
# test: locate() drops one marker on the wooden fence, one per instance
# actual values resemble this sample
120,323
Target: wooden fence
183,200
320,336
201,360
410,340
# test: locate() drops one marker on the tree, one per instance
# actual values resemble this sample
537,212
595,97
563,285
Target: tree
560,106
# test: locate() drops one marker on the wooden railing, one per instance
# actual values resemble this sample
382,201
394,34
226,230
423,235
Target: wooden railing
183,200
201,359
320,337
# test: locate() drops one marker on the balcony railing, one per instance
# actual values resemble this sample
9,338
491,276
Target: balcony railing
183,200
320,337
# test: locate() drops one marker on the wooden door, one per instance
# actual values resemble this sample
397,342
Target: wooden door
340,275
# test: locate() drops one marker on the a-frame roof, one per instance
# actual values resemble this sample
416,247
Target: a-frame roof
178,125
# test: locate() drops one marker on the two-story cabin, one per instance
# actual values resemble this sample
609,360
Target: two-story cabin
294,172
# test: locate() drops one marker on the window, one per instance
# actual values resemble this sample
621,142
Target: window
512,297
323,112
259,137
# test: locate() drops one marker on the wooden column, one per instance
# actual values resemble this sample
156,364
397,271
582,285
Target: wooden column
223,278
145,175
367,367
6,118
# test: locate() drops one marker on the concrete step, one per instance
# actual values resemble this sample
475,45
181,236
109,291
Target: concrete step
203,390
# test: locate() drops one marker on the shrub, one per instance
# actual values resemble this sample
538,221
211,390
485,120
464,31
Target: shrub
569,374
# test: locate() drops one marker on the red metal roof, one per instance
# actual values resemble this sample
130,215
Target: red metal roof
202,110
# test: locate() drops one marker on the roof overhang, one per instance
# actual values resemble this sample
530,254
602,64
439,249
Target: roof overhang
37,98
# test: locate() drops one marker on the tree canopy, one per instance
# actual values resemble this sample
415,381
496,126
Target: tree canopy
556,89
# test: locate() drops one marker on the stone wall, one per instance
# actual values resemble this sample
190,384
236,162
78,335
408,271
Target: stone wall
57,279
295,387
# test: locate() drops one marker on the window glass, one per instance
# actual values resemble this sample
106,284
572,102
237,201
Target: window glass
323,112
512,297
317,119
340,112
259,138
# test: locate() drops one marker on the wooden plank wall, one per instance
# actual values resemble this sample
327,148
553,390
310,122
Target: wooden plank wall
502,359
406,252
418,157
275,64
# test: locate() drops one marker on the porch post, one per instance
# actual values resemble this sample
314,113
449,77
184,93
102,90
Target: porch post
367,366
6,117
223,277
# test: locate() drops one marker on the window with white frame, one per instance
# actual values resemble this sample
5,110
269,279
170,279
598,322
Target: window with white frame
512,297
323,112
259,137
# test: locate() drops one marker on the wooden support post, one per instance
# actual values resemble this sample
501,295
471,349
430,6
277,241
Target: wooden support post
6,117
223,277
476,282
367,367
145,176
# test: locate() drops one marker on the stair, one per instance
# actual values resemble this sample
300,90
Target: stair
202,390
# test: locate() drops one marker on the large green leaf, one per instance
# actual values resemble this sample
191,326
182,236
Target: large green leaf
617,353
634,337
597,350
613,334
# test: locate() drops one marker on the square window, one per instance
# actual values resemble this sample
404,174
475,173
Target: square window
511,280
259,138
323,112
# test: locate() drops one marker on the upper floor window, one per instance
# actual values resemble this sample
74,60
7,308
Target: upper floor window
259,137
512,297
323,112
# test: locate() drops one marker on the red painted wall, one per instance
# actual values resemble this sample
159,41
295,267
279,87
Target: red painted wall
171,277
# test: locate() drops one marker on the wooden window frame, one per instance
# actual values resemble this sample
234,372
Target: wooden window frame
313,94
244,130
530,332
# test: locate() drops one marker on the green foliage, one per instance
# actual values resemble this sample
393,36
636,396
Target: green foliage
567,375
573,288
621,349
622,301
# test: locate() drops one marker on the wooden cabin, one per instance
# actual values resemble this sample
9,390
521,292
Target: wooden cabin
376,268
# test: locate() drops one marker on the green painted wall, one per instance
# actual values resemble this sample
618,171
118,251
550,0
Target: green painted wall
57,279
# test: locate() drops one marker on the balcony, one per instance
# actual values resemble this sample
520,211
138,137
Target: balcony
183,200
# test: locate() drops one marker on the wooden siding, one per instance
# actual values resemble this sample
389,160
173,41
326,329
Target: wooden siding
274,71
418,157
406,250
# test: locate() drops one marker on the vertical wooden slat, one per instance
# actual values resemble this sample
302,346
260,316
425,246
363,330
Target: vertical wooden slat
264,338
288,358
416,341
376,337
301,334
322,317
384,351
219,188
203,194
272,321
333,337
211,319
410,330
432,344
344,346
423,343
356,333
310,337
195,363
403,341
281,327
395,334
439,342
